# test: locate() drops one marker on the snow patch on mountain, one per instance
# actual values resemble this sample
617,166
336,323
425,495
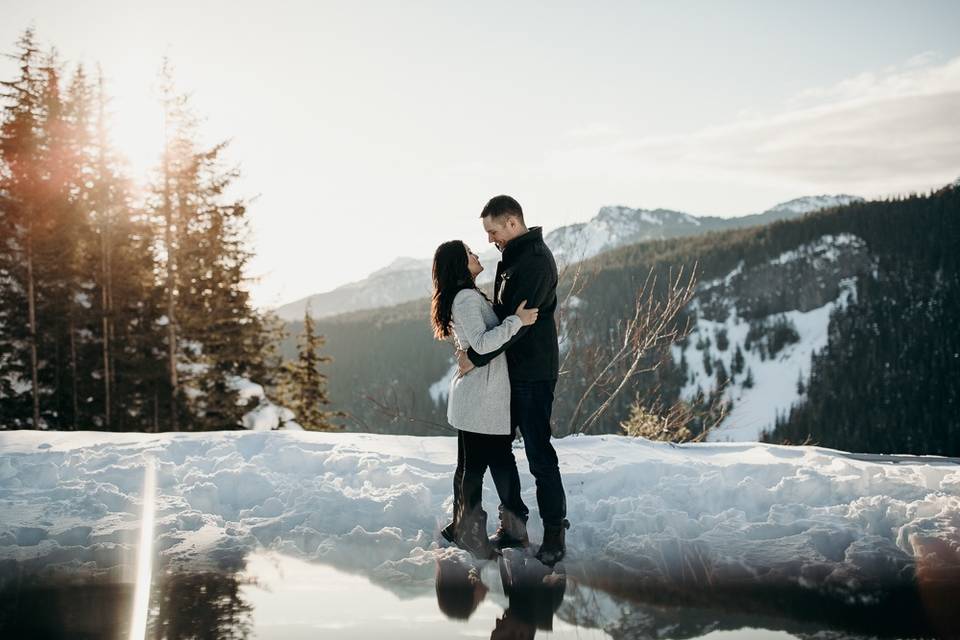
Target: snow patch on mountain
809,204
440,390
828,249
613,227
773,387
763,362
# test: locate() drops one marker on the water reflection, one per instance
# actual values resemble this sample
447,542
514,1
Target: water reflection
265,594
200,605
534,592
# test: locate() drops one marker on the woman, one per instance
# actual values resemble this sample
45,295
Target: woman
478,404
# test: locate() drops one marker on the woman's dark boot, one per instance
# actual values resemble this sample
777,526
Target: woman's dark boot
511,532
554,545
472,534
449,532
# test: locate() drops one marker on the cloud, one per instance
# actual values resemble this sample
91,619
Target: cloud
876,133
593,130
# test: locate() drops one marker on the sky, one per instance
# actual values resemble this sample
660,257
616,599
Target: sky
366,131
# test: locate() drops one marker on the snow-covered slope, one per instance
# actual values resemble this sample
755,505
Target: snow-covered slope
652,512
807,204
760,342
408,279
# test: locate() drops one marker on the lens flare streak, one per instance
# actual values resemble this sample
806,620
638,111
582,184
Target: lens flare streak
141,594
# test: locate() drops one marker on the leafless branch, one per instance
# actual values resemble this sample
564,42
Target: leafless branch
396,414
653,325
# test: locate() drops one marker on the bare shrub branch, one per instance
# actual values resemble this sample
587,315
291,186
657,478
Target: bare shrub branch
652,326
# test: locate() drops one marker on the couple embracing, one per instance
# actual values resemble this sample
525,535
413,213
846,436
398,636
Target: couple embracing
509,362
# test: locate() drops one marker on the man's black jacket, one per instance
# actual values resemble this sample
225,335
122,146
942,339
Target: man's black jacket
527,271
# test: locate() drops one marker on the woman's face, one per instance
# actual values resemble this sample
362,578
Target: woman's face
473,263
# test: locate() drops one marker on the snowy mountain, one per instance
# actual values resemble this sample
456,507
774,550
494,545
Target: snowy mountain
408,279
663,537
402,280
615,227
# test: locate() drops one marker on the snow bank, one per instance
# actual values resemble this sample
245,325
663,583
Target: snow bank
372,503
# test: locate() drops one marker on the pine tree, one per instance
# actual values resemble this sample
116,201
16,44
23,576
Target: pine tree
738,362
129,306
21,150
722,377
748,381
173,157
305,388
214,335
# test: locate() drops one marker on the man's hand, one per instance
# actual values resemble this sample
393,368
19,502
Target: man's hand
463,362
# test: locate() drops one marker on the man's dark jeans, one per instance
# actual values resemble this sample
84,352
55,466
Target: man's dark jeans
531,404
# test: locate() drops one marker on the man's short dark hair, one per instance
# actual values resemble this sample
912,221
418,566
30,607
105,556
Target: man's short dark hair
500,206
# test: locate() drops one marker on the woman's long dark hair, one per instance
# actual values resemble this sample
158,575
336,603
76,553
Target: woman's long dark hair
450,276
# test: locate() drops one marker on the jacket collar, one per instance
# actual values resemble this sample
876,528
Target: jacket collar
520,244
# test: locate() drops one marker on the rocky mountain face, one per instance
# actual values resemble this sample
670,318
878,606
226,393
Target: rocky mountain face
614,226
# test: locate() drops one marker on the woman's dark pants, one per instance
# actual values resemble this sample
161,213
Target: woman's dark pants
475,453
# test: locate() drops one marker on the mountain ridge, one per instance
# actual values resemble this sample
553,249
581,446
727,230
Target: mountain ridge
408,278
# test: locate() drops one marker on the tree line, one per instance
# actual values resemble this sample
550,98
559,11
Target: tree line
125,308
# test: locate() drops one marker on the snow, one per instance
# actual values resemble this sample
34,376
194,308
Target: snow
372,504
826,250
725,281
266,415
440,389
774,379
269,416
808,204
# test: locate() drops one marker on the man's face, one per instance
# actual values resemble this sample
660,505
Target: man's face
500,230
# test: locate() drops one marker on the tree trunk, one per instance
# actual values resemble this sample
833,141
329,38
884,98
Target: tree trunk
32,315
171,301
73,372
105,309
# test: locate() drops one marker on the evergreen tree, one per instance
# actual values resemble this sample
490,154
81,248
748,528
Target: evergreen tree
707,363
722,377
736,366
130,367
21,147
305,386
722,340
214,335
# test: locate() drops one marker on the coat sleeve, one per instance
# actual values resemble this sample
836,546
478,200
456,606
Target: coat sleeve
534,287
468,315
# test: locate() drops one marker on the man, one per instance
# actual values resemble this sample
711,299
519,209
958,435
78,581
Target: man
527,271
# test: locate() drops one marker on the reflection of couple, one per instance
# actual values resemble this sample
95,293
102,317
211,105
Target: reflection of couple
509,362
533,595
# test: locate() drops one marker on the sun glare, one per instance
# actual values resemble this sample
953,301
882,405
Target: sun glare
137,130
141,595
